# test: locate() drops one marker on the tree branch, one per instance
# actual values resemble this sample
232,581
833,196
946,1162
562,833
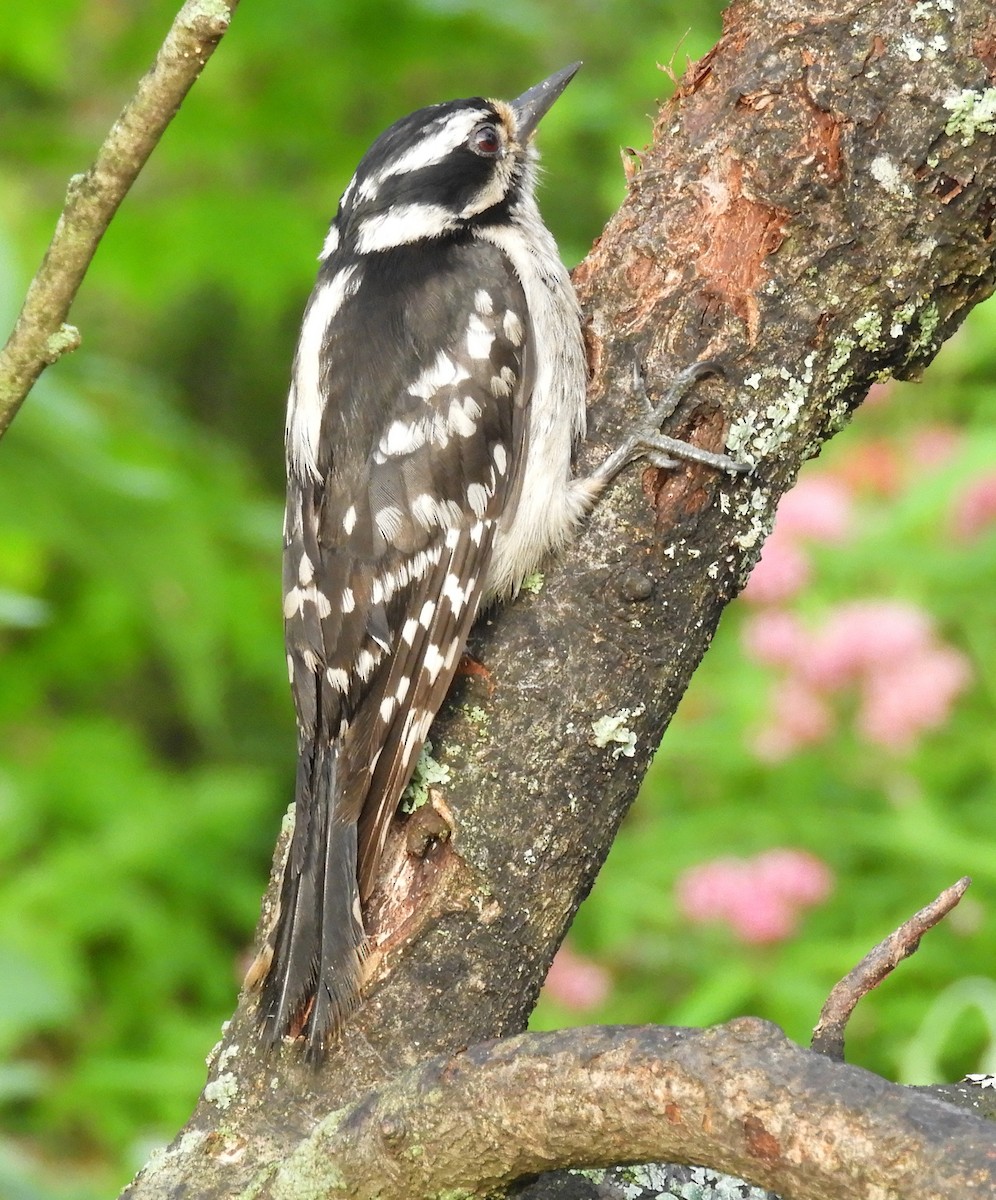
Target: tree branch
40,335
740,1097
828,1036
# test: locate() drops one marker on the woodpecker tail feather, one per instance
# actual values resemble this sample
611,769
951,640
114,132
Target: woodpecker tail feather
314,977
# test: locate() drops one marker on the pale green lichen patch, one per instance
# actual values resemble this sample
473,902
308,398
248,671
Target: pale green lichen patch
917,50
868,333
477,716
839,412
613,731
594,1175
222,1091
741,434
428,773
308,1170
756,511
972,113
65,339
840,355
225,1057
887,175
912,47
901,317
924,316
533,583
761,431
191,1142
868,327
668,1182
929,319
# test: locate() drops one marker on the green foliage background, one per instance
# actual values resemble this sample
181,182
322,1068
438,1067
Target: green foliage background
146,734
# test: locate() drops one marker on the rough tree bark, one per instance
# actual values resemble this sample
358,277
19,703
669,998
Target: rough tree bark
510,1108
817,212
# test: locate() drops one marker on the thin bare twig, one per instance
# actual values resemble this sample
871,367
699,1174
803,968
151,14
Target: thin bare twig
41,336
828,1036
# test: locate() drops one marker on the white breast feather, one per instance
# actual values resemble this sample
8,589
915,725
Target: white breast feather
550,502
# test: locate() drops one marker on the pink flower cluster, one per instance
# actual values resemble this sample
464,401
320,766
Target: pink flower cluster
818,508
879,467
887,652
975,507
761,899
576,982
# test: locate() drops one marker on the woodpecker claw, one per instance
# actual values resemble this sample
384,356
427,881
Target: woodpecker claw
647,441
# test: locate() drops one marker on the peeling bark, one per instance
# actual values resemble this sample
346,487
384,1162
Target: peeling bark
817,212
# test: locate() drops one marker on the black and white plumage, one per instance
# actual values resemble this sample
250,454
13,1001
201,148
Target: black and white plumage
437,395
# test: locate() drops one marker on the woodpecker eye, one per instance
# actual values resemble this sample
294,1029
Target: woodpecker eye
485,140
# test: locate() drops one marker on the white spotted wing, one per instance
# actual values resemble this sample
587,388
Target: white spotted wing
397,481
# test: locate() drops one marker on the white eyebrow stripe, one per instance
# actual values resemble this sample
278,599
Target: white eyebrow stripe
427,151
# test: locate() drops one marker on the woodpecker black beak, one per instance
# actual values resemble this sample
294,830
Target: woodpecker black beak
532,106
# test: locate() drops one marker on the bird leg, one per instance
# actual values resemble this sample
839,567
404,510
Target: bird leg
645,439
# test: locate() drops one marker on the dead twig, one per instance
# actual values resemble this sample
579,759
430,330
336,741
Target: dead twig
41,336
828,1036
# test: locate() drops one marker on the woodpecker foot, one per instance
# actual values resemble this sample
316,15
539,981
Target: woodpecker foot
647,441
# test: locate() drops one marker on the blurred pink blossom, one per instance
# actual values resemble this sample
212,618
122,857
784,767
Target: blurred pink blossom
576,982
974,509
934,446
781,572
761,899
905,677
880,393
861,635
799,717
795,875
882,468
774,637
873,466
712,890
901,700
818,507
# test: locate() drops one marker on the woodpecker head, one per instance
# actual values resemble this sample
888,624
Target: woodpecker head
443,168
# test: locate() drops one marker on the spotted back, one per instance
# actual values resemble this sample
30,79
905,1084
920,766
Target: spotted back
389,531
